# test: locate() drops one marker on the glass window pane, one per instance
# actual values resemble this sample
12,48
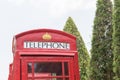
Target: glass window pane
48,68
57,79
44,79
29,65
66,78
49,79
66,68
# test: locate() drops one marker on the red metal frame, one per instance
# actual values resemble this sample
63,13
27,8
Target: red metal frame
60,47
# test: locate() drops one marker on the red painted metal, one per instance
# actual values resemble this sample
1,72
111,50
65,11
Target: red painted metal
48,48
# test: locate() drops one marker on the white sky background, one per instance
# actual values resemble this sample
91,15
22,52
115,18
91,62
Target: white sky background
21,15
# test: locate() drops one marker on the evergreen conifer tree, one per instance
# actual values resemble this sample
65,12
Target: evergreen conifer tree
84,59
101,52
116,39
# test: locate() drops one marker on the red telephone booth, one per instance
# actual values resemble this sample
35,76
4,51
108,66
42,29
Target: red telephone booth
44,54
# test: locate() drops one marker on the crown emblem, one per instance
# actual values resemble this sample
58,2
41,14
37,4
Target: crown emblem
46,36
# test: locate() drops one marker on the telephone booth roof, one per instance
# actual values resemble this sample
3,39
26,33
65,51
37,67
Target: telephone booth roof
44,40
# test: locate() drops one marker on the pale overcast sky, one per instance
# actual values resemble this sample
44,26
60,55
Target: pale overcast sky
21,15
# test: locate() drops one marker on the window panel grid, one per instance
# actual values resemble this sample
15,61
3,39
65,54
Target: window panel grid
63,76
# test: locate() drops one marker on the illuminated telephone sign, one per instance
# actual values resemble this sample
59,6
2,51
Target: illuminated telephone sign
47,45
44,54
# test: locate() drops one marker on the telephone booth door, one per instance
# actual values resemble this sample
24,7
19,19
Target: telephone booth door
47,68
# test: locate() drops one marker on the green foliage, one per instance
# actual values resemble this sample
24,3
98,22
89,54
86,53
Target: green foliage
116,39
71,28
101,52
